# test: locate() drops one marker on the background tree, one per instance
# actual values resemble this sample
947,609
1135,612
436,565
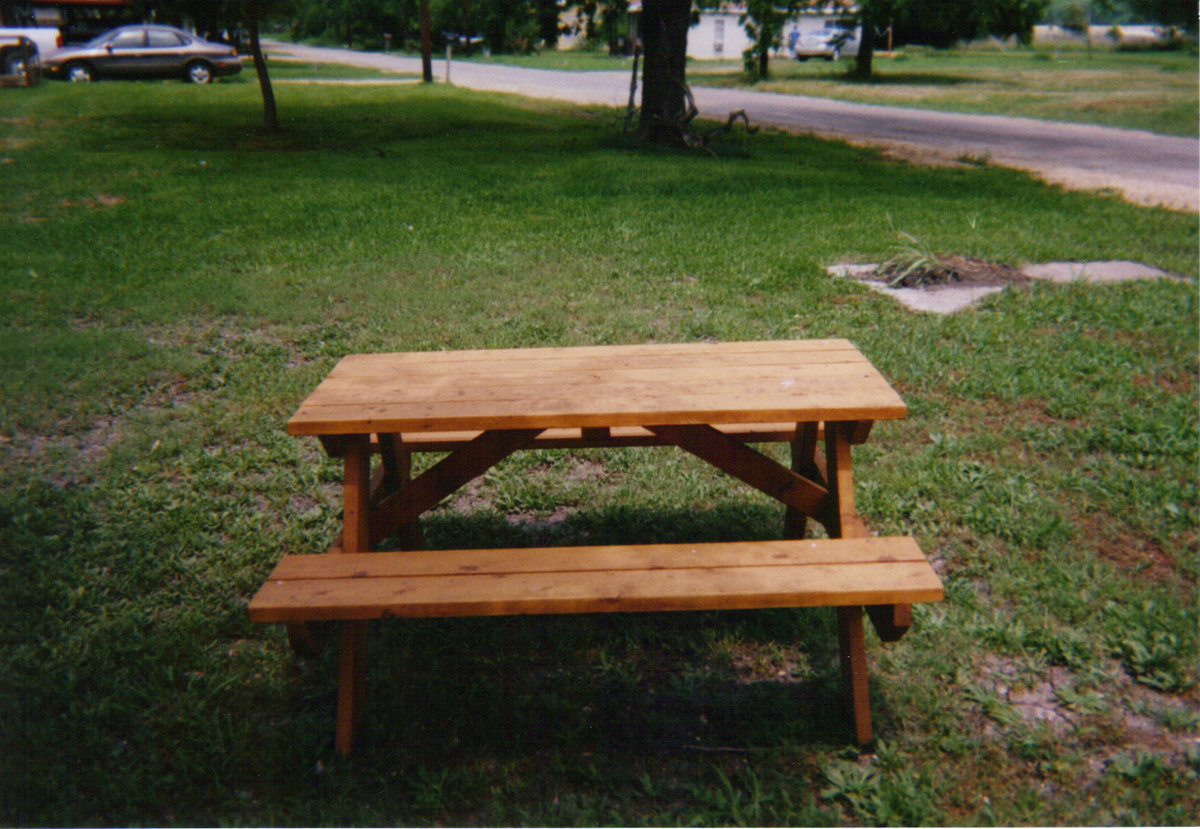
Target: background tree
1075,19
613,27
505,25
254,12
1180,14
942,23
873,15
664,42
764,21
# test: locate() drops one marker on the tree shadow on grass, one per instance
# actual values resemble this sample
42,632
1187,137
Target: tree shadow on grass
597,685
484,528
352,121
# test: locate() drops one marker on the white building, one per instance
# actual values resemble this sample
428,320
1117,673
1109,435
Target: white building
718,34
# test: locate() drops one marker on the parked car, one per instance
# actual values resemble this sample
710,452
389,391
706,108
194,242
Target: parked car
829,43
17,57
19,64
144,51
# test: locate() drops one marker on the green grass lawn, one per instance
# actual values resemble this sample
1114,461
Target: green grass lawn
564,60
1153,91
175,282
287,69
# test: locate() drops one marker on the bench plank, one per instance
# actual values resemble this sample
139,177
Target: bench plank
591,558
725,576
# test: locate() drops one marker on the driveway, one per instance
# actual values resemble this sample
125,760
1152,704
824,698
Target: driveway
1144,167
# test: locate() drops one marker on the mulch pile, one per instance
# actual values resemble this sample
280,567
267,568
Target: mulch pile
947,270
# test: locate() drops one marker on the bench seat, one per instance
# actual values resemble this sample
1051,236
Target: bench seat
654,577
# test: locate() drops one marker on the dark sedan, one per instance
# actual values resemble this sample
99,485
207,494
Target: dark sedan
144,52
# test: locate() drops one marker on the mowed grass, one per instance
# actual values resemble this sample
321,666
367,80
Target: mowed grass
286,69
1153,91
175,282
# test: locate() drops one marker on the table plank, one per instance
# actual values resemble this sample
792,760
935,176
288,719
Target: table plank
523,381
614,386
761,350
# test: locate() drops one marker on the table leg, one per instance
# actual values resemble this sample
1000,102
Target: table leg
890,621
396,477
804,462
842,521
853,649
840,518
356,538
356,498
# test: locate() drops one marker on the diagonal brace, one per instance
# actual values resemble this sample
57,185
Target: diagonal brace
748,465
462,465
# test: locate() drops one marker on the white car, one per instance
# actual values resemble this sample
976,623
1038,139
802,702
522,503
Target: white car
829,43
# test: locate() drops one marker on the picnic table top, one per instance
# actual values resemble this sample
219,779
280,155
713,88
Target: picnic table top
593,387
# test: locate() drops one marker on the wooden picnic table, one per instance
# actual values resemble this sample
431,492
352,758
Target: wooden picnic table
710,399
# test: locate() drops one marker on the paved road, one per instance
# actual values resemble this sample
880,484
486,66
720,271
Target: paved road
1147,168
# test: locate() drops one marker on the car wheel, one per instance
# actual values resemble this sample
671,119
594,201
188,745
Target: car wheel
14,64
198,72
79,72
835,54
802,58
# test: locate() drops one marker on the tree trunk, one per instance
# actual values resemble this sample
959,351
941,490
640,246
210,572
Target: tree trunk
664,44
866,47
426,45
270,117
764,48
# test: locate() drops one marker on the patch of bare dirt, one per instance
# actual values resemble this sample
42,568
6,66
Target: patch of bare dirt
1034,699
920,156
1120,708
77,453
586,469
753,664
96,202
539,522
470,497
1135,556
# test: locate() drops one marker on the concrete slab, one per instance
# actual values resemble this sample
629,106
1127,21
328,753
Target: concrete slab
945,300
1113,271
